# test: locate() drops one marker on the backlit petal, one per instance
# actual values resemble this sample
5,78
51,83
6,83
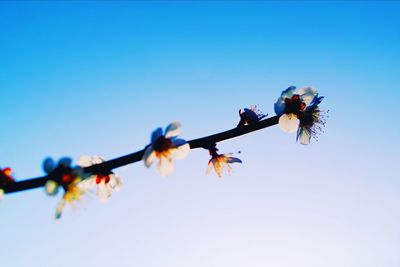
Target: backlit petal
304,135
84,161
174,129
88,183
289,92
156,134
97,159
65,162
233,160
288,123
182,151
49,165
279,107
149,156
165,166
210,167
115,182
59,209
51,187
103,192
307,94
307,90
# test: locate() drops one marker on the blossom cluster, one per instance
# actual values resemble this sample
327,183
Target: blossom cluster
298,110
76,182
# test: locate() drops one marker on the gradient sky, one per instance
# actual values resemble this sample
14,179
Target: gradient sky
97,77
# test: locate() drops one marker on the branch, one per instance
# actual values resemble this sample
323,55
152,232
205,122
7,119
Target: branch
109,165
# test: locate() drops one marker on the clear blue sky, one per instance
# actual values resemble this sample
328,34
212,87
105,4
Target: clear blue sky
97,77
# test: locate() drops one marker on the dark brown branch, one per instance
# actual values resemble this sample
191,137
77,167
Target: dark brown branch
109,165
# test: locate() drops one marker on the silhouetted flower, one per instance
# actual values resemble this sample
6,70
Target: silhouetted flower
220,162
56,171
165,147
291,104
5,180
312,121
105,183
63,175
250,116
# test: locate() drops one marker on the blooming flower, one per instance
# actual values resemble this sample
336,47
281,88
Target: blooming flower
250,116
220,162
165,147
63,175
298,110
73,193
312,121
5,180
105,183
291,104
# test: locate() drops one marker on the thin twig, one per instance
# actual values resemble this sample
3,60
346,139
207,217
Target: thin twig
109,165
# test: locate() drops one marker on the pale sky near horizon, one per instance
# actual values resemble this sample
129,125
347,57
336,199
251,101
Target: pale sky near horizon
96,78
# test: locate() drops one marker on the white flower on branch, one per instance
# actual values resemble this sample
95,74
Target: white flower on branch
63,175
220,162
166,147
106,184
298,110
72,194
290,104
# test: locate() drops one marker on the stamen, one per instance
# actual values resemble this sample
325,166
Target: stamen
162,144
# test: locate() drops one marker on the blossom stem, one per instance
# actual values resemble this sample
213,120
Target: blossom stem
107,166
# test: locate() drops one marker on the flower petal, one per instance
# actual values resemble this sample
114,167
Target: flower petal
104,192
316,101
165,166
176,142
288,123
115,182
51,187
219,167
233,160
97,159
84,161
288,93
156,134
210,167
66,162
182,148
307,94
279,107
1,194
88,183
49,165
304,135
60,208
149,156
307,90
174,129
